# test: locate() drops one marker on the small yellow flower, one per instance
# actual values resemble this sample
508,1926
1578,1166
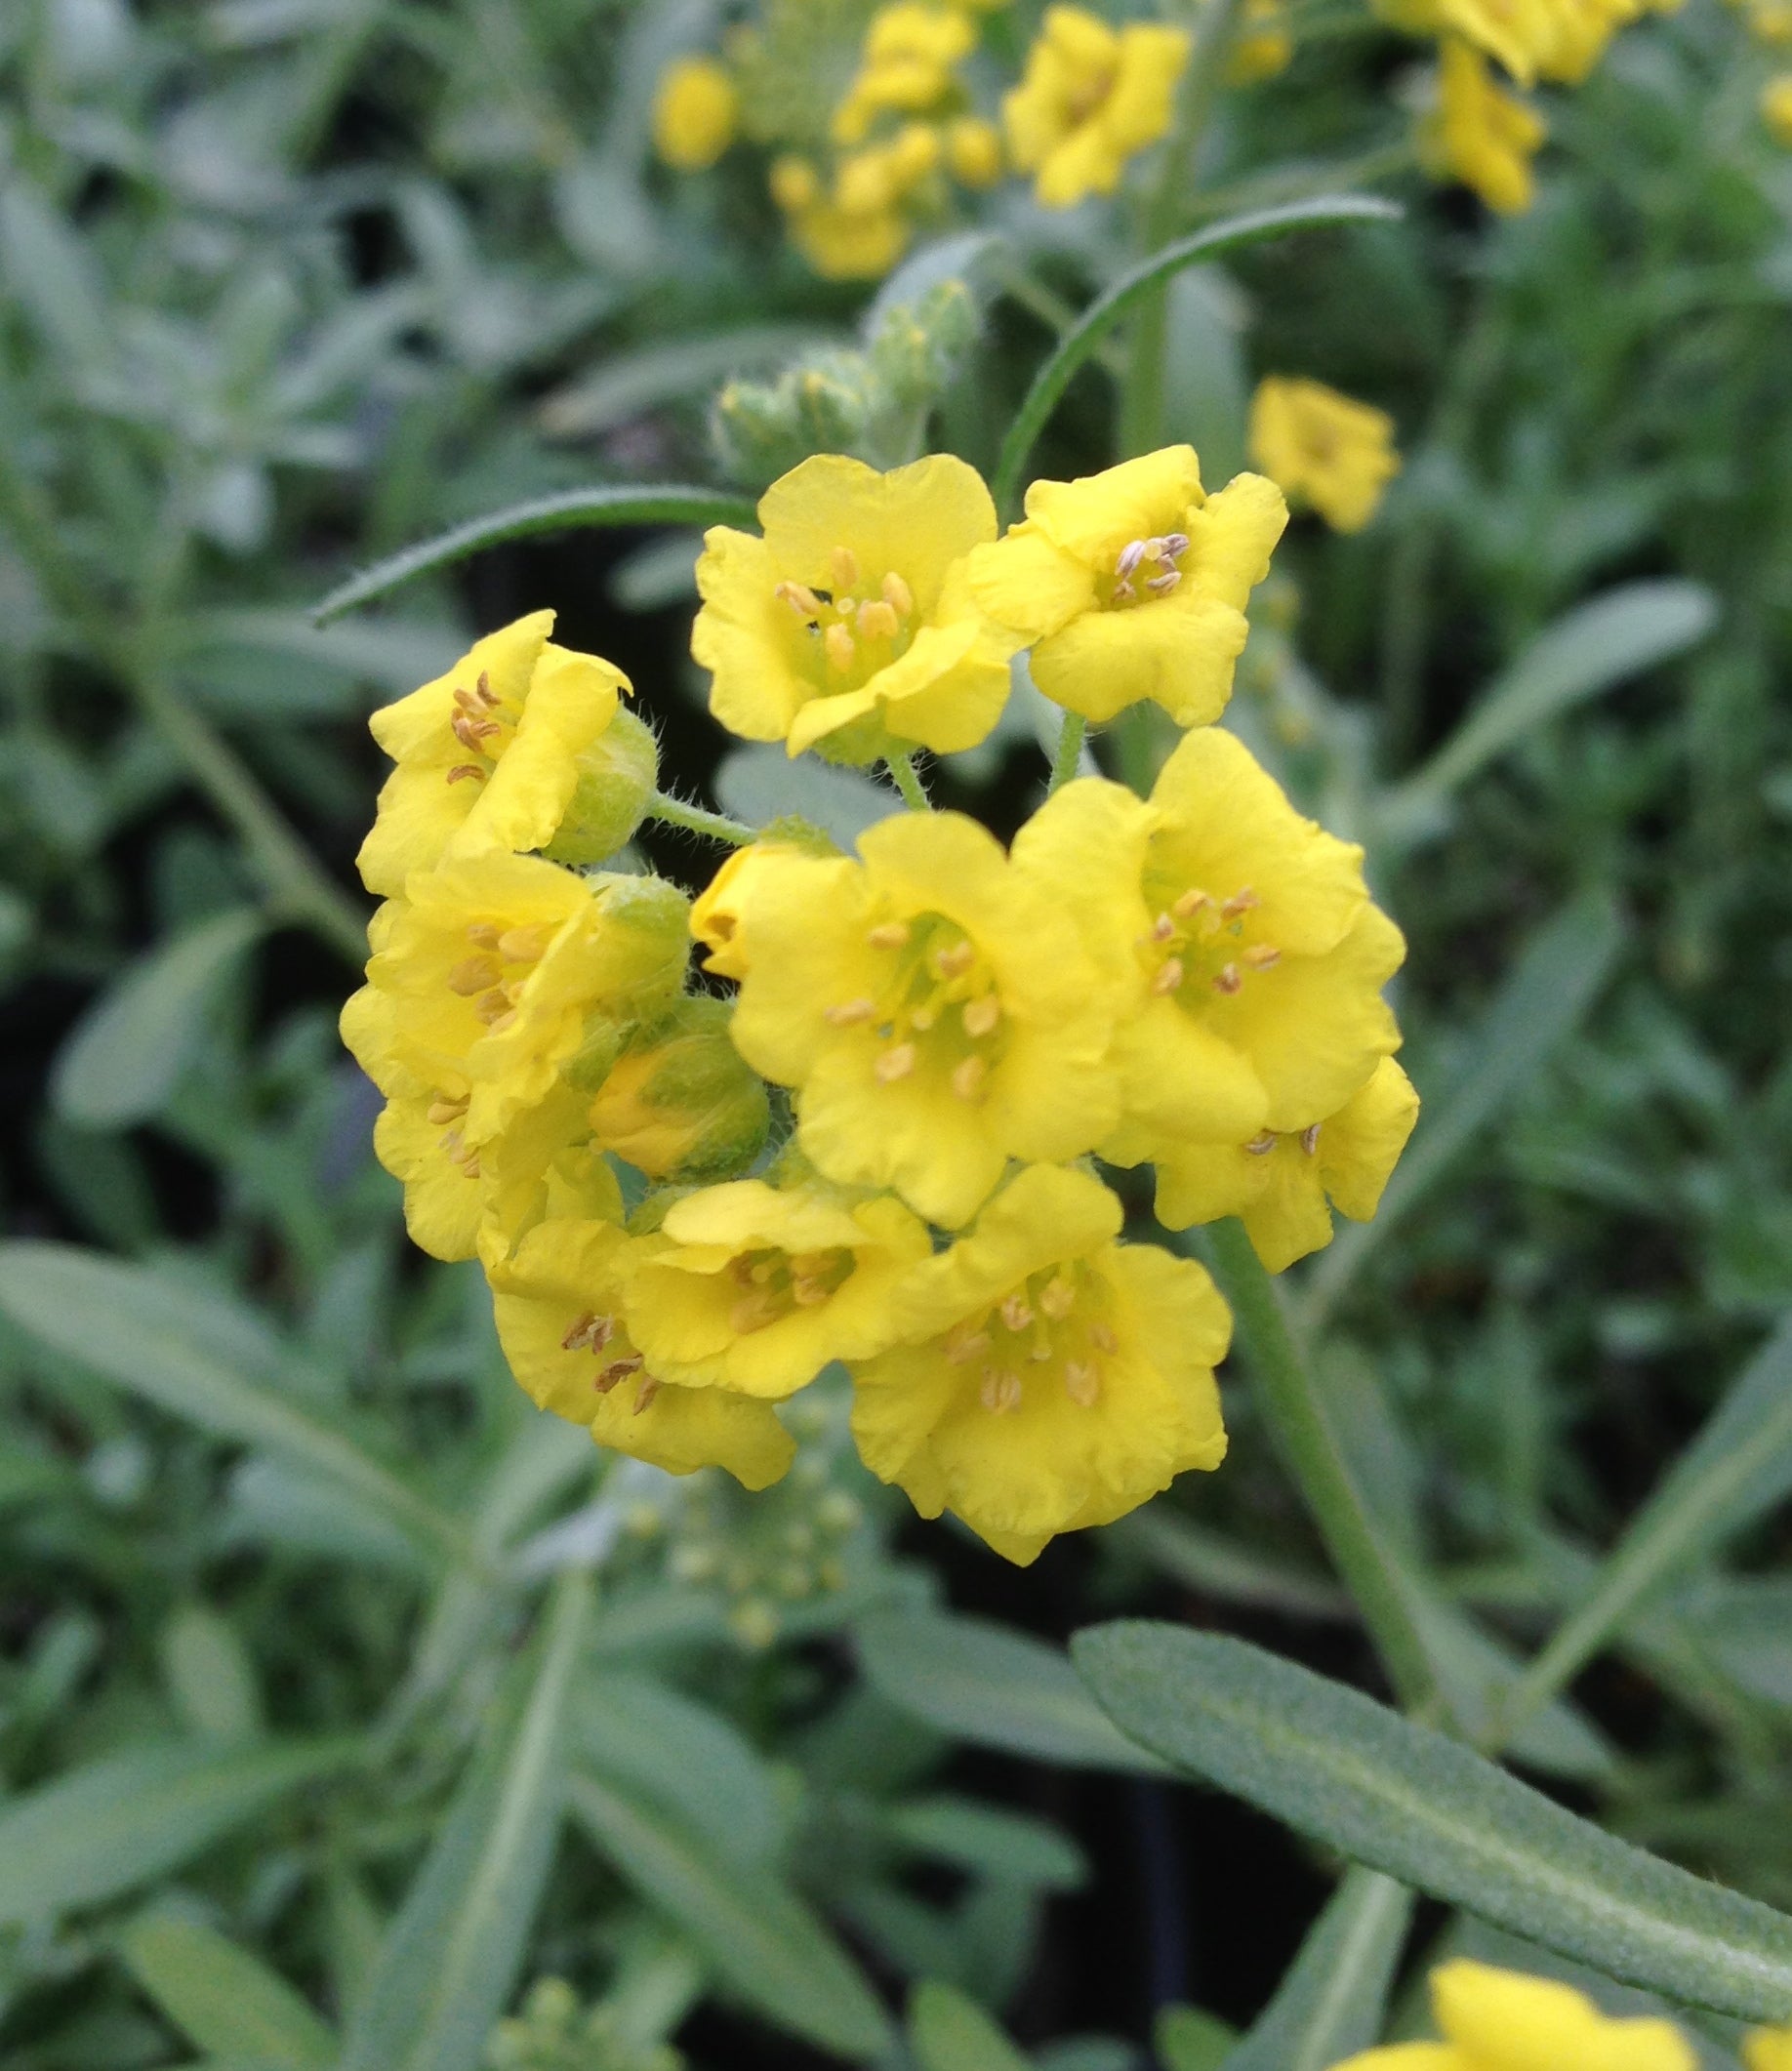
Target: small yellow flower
757,1287
1480,134
909,54
973,152
1776,108
1770,21
1768,2050
1131,584
1050,1379
1257,960
694,111
1264,45
1280,1183
1328,448
1500,2020
488,754
1090,99
719,909
680,1103
850,621
935,1008
558,1306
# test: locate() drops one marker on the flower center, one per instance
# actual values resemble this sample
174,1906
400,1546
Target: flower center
938,1010
482,723
854,630
775,1284
1197,946
502,962
1053,1331
608,1341
1145,569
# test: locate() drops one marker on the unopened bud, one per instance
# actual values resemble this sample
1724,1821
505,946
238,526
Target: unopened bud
618,774
680,1103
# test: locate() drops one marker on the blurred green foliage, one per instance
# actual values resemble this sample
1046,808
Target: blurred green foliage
314,1737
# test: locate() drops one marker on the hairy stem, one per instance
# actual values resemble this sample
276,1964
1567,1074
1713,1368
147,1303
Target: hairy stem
694,819
907,779
1068,751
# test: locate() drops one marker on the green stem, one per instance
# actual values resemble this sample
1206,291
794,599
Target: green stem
1305,183
695,820
1069,751
1297,1415
1142,397
900,763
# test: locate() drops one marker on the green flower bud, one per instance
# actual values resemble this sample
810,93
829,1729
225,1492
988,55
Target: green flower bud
618,775
680,1103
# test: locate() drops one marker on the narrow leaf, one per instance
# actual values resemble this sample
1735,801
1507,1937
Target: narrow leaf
572,510
1597,644
1119,302
131,1046
120,1822
948,2031
753,1930
1330,2004
451,1957
1561,972
225,2001
160,1340
993,1688
1425,1810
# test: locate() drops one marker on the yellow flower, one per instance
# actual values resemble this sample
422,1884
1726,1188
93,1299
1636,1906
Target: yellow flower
1500,2020
1257,959
1314,442
1279,1183
694,113
1264,43
488,754
1131,584
1768,2050
909,54
850,620
935,1008
719,909
1091,97
1480,134
1050,1379
973,152
680,1103
558,1306
755,1287
1770,21
1776,108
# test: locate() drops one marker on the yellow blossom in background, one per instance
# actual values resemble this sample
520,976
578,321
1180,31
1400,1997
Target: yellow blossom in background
1263,45
695,110
1335,451
1776,108
757,1287
1092,96
1480,134
1768,2050
559,1307
850,621
935,1009
1050,1379
1770,21
1280,1183
488,754
1131,584
909,54
1500,2020
973,152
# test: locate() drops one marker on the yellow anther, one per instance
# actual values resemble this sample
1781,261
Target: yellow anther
1261,956
1168,976
1227,978
839,644
1240,901
896,1063
617,1372
877,622
483,934
961,1351
888,935
849,1013
646,1393
1082,1382
1309,1139
487,695
801,599
1262,1144
1191,903
754,1313
954,959
464,769
469,1164
896,595
1102,1338
474,974
982,1014
588,1331
522,945
809,1293
1057,1298
441,1112
1163,928
493,1007
1001,1391
967,1077
846,565
1015,1311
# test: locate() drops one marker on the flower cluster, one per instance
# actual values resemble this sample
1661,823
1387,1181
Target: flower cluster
958,1031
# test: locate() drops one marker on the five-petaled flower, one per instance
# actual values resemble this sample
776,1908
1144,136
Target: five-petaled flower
1329,449
1091,97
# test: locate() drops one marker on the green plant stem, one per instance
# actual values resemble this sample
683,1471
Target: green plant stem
1069,751
1297,1419
1142,397
697,821
1304,182
907,779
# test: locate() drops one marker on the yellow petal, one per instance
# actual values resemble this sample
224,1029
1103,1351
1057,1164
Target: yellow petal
1097,515
1232,537
1289,1218
1178,652
912,521
442,1205
1200,1182
1360,1145
1025,581
746,636
1519,2024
